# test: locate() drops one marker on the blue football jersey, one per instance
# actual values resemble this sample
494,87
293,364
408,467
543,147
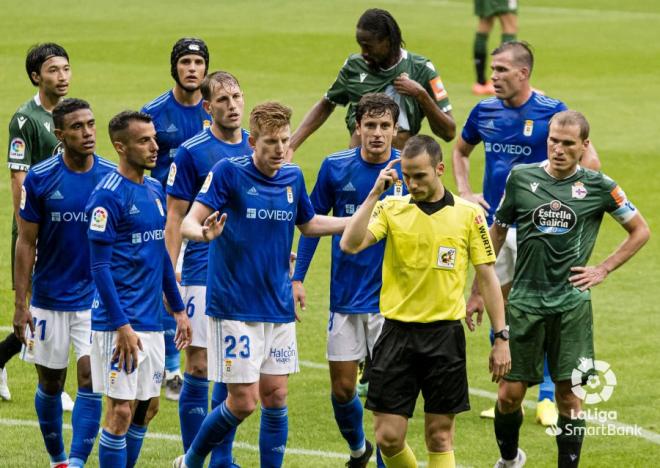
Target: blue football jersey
175,123
248,272
511,136
131,217
344,181
54,197
194,160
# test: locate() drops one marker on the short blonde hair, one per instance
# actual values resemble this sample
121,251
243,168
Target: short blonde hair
572,117
269,116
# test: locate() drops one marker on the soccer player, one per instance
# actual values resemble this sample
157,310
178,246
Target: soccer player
513,127
344,181
487,11
223,100
132,272
384,66
31,140
178,115
52,218
249,301
431,237
558,207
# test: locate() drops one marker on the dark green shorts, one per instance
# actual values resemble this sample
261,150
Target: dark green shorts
488,8
566,338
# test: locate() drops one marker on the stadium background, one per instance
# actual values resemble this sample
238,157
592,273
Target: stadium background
599,56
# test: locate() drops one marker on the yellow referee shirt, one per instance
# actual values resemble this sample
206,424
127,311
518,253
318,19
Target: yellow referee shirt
426,256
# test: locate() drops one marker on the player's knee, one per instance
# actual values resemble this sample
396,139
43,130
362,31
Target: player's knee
343,389
389,440
566,400
52,387
196,362
118,417
275,397
439,439
509,398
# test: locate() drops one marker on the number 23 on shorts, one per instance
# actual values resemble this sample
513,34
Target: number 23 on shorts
237,348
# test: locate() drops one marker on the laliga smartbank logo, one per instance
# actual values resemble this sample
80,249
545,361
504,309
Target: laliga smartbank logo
593,382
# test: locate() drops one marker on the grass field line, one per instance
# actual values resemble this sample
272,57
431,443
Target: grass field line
239,445
627,428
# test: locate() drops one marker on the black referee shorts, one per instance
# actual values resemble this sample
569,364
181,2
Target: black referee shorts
409,357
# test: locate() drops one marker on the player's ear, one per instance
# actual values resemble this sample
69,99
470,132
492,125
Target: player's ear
119,146
207,106
440,169
252,141
36,77
58,134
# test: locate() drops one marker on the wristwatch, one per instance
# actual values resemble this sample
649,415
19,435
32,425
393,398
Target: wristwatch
503,334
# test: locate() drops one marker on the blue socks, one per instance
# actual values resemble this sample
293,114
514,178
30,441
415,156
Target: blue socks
272,436
193,407
49,413
349,420
221,455
112,450
216,426
86,419
134,439
547,387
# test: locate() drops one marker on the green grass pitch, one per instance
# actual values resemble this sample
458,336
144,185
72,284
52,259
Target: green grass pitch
599,56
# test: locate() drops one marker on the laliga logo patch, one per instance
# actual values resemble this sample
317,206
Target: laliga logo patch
446,257
160,207
16,149
99,219
578,191
207,183
590,373
172,175
529,128
289,194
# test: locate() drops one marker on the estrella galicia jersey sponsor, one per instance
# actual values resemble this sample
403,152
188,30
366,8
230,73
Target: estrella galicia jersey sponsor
557,224
131,217
175,123
31,136
54,197
356,78
343,183
511,136
248,272
193,161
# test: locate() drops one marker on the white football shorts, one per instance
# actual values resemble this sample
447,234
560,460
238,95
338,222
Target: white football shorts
143,383
239,352
352,336
54,332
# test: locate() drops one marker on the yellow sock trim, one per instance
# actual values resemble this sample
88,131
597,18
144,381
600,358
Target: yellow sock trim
442,459
404,459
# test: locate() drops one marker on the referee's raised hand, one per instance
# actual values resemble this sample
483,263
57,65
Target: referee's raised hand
386,178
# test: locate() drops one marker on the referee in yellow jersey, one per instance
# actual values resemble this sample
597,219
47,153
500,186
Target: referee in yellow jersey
432,235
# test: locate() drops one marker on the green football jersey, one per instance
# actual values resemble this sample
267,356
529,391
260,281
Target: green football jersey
356,79
31,136
557,224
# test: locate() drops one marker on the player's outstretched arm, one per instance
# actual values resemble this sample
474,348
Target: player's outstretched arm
442,123
176,211
500,357
586,277
321,225
316,117
590,158
201,224
460,158
26,246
